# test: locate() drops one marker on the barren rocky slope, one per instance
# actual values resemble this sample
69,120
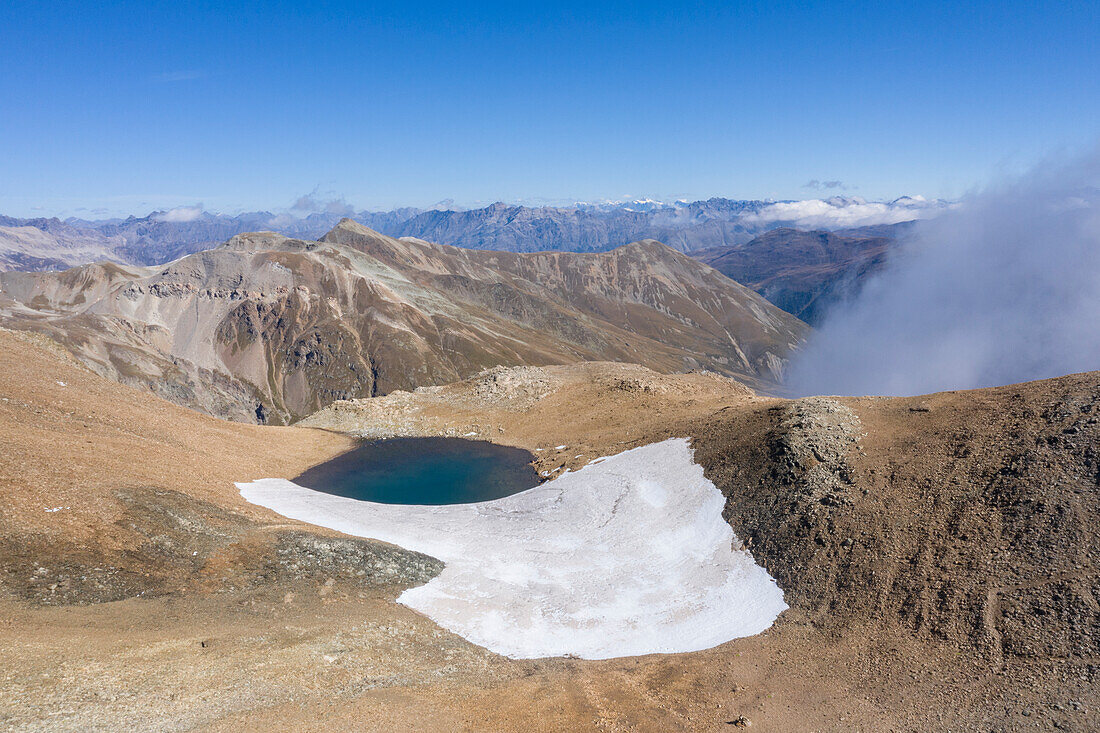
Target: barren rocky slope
966,518
939,555
270,329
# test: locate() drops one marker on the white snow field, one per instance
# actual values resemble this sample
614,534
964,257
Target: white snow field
626,557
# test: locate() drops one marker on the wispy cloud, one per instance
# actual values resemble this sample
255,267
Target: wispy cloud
322,202
827,185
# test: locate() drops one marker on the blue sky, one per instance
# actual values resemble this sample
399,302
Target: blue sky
119,107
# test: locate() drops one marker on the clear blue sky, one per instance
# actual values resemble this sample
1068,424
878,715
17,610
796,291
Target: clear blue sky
124,107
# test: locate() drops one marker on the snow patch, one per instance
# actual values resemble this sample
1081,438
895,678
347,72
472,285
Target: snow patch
627,557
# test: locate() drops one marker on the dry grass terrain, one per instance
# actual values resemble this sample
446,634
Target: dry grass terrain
939,555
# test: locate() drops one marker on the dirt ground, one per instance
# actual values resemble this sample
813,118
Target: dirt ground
939,555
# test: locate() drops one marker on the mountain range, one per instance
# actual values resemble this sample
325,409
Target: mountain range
269,328
163,236
764,245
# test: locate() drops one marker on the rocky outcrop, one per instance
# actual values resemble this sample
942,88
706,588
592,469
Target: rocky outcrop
964,518
184,542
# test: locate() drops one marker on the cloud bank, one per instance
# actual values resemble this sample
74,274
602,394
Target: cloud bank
1003,289
841,212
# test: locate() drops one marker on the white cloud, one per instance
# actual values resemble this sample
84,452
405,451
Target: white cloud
842,212
282,220
180,214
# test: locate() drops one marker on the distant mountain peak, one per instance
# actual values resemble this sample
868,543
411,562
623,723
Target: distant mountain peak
347,225
648,245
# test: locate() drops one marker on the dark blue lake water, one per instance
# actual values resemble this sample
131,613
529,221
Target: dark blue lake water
424,471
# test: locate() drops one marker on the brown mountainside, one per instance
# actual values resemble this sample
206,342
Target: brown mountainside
271,329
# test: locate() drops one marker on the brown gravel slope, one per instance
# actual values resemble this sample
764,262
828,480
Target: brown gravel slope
966,524
951,538
939,555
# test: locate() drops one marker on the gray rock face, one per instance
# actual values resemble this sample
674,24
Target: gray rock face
810,447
